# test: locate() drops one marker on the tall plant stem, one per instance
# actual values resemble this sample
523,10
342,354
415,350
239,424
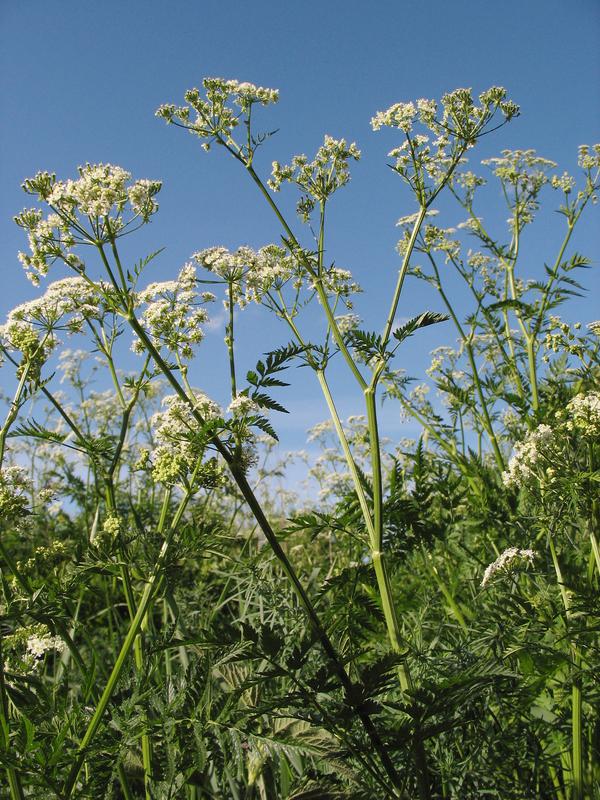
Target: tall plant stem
14,780
229,341
385,589
373,524
256,509
150,590
486,419
316,624
576,695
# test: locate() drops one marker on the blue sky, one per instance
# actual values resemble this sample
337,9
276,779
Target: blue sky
81,80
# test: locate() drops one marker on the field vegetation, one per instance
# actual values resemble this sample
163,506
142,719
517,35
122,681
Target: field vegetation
176,620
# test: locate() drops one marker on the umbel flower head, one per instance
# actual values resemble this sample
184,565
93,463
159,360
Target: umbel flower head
511,558
214,114
317,179
248,273
425,162
94,209
174,312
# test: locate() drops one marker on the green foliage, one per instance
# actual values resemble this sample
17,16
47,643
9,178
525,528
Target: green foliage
425,626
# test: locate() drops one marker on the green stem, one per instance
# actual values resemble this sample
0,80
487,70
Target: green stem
150,590
428,559
576,696
279,553
486,421
387,331
229,341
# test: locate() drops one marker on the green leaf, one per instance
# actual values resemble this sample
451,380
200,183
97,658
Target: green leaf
264,401
422,321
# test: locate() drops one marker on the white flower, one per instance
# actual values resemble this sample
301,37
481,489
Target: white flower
37,645
250,274
400,115
527,454
507,560
242,405
174,314
583,414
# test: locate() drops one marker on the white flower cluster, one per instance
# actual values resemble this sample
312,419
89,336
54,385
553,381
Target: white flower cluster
564,182
528,455
250,274
400,115
460,113
74,297
521,168
242,406
347,322
409,220
49,239
30,327
509,559
37,646
87,210
180,443
339,282
26,647
214,117
317,179
583,414
426,164
174,313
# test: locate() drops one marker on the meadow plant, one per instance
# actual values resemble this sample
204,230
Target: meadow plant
172,626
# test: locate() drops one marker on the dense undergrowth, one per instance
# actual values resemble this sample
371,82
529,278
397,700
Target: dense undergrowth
175,624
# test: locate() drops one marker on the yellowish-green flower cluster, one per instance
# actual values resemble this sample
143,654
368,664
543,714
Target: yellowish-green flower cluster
589,157
15,488
45,558
180,441
112,525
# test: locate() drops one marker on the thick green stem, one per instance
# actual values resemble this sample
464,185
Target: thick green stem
315,622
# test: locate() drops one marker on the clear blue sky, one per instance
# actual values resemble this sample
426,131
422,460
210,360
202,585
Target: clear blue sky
80,82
